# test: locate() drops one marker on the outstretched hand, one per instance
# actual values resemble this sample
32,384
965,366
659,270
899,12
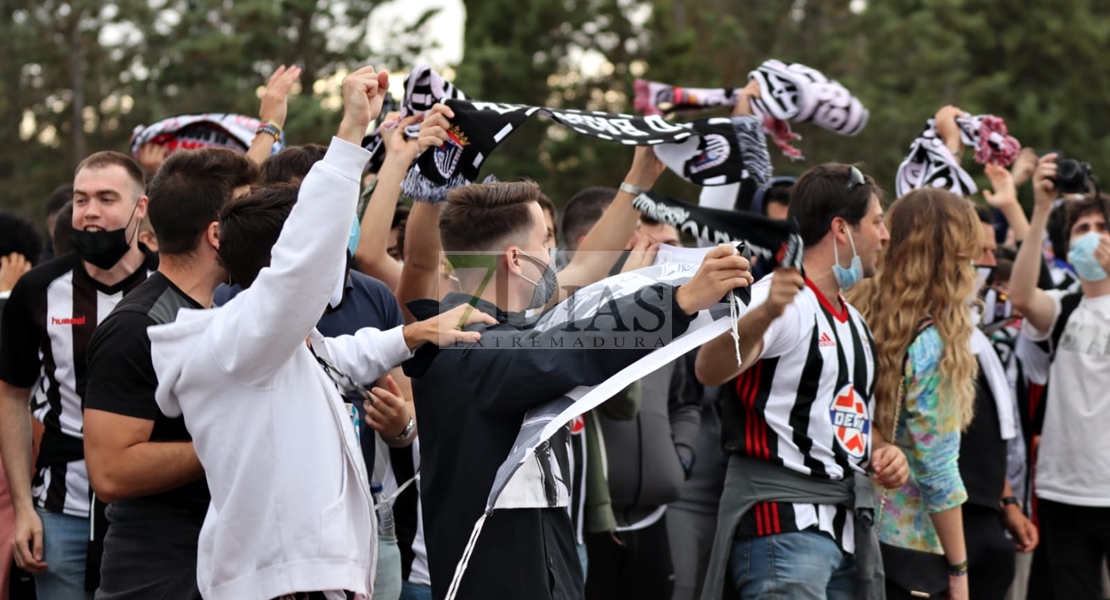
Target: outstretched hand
275,98
1005,191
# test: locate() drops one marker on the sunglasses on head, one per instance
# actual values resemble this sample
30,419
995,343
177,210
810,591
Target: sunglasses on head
855,179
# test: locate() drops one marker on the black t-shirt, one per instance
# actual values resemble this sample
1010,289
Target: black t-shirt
121,379
983,451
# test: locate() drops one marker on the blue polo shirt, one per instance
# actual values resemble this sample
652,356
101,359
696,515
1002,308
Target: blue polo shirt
367,302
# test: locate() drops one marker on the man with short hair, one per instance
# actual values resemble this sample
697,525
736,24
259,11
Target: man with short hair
802,348
47,324
1072,481
140,461
260,388
471,400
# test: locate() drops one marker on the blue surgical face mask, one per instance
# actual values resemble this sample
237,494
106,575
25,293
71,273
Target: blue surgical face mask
1082,257
846,278
352,238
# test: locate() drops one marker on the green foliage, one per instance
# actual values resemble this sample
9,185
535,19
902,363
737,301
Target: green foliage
88,72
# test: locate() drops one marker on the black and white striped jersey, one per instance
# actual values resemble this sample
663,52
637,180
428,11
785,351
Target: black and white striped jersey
806,404
46,328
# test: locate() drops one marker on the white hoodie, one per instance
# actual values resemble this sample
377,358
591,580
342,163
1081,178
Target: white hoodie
291,507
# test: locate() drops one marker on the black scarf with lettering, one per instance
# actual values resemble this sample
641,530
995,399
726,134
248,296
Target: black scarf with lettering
768,239
706,152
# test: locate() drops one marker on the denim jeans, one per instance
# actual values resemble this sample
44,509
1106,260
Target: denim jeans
803,565
65,542
415,591
387,582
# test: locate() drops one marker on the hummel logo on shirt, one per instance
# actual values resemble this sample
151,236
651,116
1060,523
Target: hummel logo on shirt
826,341
67,321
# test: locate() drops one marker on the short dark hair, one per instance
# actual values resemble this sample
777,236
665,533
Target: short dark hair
63,229
109,158
58,198
986,215
482,216
249,228
1077,209
291,164
821,195
189,191
1005,253
400,217
20,236
583,211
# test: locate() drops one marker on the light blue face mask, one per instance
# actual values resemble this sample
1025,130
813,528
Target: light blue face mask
846,278
352,238
1082,257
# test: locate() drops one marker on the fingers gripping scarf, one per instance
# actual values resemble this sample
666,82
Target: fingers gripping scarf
931,164
787,93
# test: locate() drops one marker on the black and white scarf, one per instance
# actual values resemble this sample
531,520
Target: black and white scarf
787,93
768,239
931,164
191,132
708,152
424,88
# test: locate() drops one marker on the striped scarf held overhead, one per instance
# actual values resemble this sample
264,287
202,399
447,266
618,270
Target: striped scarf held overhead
931,164
788,93
191,132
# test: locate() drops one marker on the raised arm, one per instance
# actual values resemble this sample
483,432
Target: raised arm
716,362
275,107
371,253
597,253
259,329
420,277
1004,198
1037,306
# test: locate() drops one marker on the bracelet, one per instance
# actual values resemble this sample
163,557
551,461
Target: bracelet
628,188
271,129
959,569
408,429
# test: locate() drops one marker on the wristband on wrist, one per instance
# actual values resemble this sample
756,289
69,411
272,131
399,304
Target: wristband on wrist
271,129
1008,500
408,429
959,569
628,188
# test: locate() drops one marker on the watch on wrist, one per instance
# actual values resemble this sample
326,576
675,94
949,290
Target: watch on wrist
1008,500
628,188
408,429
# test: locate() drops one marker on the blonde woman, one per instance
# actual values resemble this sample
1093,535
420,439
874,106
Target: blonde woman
918,308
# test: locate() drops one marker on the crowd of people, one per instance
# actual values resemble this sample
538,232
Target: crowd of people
225,378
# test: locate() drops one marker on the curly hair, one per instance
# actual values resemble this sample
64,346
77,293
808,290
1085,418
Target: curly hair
925,272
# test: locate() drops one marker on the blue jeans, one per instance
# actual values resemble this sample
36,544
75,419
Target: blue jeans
65,542
803,565
415,591
387,582
583,558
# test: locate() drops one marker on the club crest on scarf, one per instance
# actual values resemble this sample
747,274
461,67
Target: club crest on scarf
715,152
851,421
448,155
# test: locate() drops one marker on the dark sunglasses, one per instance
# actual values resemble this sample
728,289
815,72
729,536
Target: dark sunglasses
855,179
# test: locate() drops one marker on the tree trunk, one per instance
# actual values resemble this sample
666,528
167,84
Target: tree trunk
77,86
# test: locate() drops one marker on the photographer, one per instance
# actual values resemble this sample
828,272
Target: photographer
1072,482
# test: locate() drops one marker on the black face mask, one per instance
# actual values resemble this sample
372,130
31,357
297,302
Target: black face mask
103,249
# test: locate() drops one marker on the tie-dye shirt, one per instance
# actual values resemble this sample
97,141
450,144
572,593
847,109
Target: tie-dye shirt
929,433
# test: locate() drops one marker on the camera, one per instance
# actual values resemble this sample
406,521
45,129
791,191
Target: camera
1072,176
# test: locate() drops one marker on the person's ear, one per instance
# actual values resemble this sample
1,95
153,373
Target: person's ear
212,235
140,212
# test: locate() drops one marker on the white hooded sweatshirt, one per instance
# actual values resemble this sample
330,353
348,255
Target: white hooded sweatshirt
291,507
